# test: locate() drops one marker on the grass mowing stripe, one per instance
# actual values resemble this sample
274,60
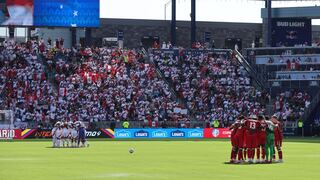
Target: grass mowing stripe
23,160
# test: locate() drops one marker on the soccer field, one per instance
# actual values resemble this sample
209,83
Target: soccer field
151,160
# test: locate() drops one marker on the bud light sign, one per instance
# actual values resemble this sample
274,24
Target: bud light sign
291,31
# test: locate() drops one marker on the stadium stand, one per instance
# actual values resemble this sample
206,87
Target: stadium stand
213,86
112,84
44,83
23,82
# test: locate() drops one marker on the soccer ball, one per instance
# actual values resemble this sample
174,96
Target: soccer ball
131,150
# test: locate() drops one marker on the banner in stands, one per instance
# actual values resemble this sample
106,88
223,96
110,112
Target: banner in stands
291,31
46,133
158,133
217,133
10,133
193,52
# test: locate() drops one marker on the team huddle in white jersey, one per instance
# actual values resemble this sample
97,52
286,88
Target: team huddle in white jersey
68,135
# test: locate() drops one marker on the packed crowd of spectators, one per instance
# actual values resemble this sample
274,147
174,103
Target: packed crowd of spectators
93,84
24,86
102,84
113,84
213,86
291,105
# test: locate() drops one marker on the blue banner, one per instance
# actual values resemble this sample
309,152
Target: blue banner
66,13
158,133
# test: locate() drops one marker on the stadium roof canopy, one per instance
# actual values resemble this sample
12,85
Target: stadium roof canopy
312,12
288,0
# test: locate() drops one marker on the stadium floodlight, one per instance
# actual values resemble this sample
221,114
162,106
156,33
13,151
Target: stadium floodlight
165,9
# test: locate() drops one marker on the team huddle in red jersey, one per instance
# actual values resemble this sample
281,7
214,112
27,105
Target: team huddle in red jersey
253,133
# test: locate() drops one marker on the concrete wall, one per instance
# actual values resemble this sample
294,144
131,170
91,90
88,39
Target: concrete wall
135,29
56,33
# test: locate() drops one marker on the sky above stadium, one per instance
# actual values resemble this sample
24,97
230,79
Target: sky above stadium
207,10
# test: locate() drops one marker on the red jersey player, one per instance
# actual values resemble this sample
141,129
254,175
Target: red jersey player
237,132
240,138
277,137
233,128
261,139
251,125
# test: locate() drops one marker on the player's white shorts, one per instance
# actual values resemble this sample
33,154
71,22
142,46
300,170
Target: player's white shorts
74,134
65,134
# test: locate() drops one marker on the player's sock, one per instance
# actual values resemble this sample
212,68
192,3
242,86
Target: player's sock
264,153
272,152
58,143
258,154
245,153
240,155
280,154
231,156
268,153
252,153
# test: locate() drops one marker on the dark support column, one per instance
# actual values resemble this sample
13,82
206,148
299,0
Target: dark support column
11,32
193,22
28,33
73,37
173,23
88,38
269,20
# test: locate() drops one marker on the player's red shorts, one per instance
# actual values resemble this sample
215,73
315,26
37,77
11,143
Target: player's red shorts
277,139
262,137
239,141
251,140
278,142
244,140
233,141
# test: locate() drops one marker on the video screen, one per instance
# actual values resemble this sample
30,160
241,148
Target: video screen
60,13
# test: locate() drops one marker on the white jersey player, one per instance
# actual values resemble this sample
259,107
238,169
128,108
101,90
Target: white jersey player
65,136
53,132
74,136
58,135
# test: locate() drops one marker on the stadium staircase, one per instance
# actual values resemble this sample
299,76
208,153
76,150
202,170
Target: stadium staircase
50,75
169,83
260,78
311,110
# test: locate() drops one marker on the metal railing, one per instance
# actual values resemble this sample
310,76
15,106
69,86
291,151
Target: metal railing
260,78
161,75
313,105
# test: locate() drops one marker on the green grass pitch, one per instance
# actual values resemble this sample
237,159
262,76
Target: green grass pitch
165,160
